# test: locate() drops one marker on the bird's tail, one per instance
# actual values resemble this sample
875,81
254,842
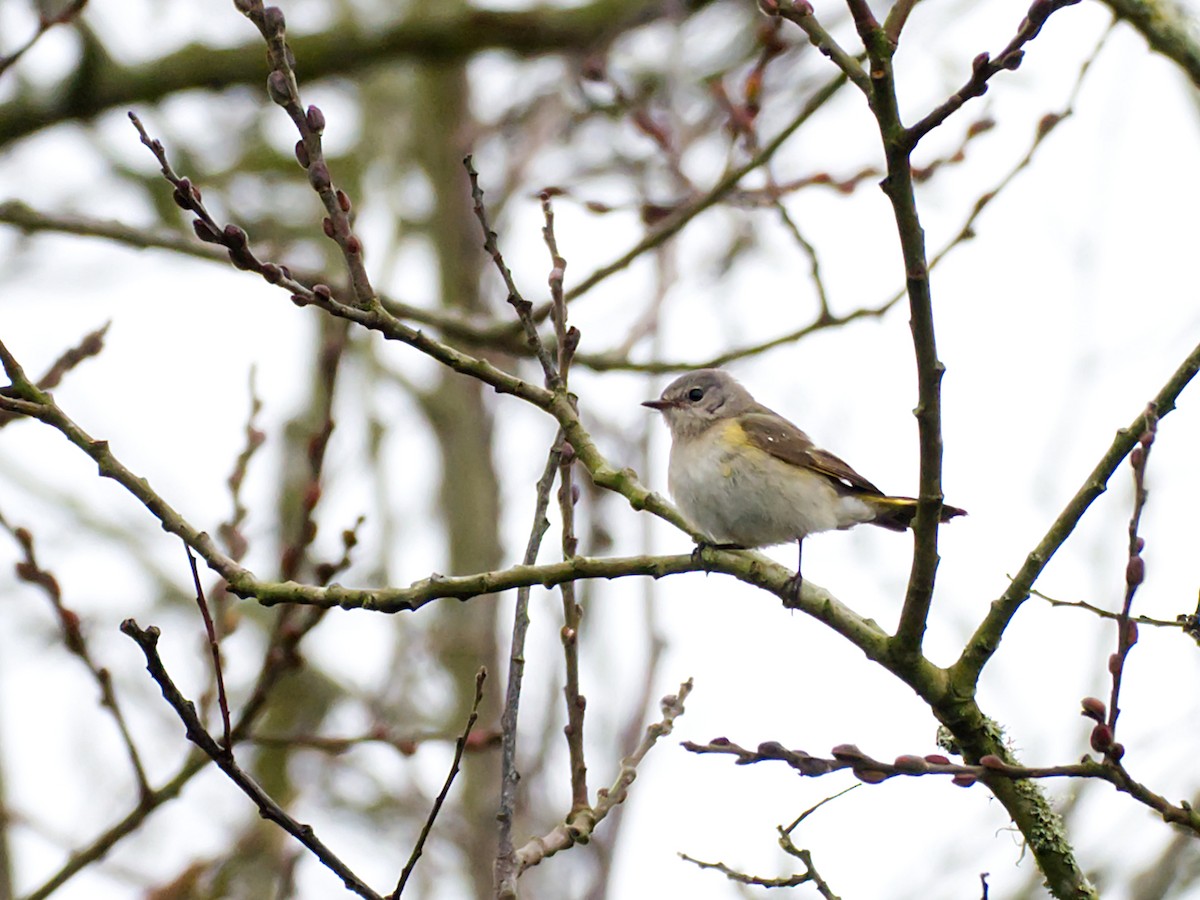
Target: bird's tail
897,513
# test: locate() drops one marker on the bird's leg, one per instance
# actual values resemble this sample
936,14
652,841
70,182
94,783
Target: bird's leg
796,581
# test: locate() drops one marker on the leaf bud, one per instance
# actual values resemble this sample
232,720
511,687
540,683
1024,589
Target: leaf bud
870,776
1093,708
911,764
278,88
318,176
315,119
1101,738
1135,571
274,21
205,232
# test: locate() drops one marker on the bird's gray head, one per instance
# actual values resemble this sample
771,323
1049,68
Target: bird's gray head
693,402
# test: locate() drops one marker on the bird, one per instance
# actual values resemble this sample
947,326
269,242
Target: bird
747,477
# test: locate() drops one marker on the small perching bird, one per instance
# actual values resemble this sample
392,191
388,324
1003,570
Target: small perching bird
747,477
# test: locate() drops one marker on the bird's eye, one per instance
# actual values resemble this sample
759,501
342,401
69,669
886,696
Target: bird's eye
696,395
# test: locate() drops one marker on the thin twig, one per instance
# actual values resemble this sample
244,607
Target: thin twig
506,864
986,640
214,647
580,828
46,22
459,748
282,659
668,227
874,771
147,641
283,90
801,13
984,67
1108,613
810,874
732,874
90,345
1135,569
30,570
523,307
812,809
568,496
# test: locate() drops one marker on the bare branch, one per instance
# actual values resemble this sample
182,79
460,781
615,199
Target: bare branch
459,747
147,641
506,861
984,67
579,826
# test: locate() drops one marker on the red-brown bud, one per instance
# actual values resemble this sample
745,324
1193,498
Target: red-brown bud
911,764
1102,738
315,119
274,21
870,776
1131,632
183,194
1093,708
847,753
318,176
1012,61
278,88
205,232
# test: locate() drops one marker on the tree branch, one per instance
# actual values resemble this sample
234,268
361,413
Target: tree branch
986,640
147,641
445,35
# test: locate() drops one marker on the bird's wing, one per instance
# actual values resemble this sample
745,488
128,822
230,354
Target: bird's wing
783,440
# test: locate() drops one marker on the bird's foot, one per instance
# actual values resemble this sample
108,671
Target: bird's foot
791,589
701,546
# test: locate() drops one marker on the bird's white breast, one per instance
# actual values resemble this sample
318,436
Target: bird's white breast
739,494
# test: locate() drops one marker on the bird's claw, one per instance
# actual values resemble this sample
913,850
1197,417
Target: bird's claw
791,590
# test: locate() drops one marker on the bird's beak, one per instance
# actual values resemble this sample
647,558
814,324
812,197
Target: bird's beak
660,405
